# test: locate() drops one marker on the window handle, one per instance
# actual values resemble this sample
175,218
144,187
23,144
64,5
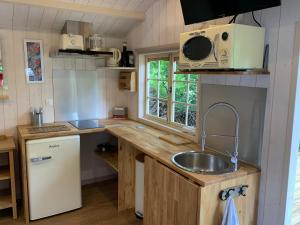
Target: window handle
170,90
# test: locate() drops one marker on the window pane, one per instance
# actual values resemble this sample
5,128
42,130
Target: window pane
176,64
152,106
163,89
180,113
180,92
180,77
164,69
194,77
153,70
163,109
192,93
152,88
192,116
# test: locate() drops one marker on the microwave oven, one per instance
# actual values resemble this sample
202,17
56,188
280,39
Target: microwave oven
230,46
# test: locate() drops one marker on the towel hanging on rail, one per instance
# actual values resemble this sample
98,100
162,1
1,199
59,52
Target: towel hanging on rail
230,215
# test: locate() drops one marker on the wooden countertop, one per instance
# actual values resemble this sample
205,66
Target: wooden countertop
7,144
146,139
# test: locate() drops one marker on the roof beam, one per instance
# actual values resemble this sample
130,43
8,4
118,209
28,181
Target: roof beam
81,8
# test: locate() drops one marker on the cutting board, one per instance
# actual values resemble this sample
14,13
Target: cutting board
175,139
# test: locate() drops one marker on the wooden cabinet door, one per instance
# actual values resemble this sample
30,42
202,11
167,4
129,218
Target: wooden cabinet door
126,175
170,199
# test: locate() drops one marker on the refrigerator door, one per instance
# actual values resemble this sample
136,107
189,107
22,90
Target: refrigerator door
53,176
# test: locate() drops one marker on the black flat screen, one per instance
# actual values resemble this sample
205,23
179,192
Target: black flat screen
195,11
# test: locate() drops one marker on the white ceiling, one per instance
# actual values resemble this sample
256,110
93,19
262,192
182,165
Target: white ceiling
138,5
39,18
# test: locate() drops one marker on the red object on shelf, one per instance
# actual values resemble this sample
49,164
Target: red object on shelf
115,117
1,79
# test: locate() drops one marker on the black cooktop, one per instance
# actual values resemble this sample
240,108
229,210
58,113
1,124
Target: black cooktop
86,124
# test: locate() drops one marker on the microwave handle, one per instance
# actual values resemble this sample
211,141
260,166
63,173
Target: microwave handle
216,46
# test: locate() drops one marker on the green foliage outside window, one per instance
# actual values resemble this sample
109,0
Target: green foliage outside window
183,96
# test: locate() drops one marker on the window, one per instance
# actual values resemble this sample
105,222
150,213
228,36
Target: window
170,98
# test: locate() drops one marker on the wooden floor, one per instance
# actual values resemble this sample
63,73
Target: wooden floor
296,207
99,208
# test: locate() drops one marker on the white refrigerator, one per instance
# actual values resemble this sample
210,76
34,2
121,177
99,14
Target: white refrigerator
53,167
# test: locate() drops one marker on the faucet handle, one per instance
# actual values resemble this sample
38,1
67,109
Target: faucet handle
233,156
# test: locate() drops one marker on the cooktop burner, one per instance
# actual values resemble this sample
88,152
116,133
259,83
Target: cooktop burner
86,124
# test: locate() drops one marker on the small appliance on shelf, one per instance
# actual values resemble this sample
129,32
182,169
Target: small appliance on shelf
230,46
120,112
95,43
114,60
72,42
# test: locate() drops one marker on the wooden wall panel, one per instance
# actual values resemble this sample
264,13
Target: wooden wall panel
23,96
280,25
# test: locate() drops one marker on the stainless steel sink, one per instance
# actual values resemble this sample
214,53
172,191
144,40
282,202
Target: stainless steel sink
202,162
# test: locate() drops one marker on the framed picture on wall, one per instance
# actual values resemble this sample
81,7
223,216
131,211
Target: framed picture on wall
34,63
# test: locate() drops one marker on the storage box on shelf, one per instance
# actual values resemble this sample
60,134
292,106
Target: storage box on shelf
7,173
127,81
80,54
116,68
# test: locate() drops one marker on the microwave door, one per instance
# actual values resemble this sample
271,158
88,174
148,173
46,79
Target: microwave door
197,48
216,46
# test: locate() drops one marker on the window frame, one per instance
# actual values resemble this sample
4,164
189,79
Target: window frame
172,56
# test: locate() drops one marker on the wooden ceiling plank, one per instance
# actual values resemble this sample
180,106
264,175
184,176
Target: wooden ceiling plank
6,12
48,19
144,5
20,16
76,16
80,8
60,19
88,17
121,4
34,18
133,4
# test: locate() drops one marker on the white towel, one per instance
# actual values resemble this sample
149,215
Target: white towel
230,215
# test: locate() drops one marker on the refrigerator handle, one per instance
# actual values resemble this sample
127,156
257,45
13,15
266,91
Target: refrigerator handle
40,159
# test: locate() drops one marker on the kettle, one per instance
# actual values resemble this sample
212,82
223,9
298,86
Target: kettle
115,59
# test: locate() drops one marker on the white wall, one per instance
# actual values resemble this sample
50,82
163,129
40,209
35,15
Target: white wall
162,26
23,96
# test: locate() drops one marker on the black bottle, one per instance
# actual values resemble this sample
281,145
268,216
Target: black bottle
124,59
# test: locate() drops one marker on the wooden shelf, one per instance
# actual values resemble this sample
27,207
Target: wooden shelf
226,72
80,54
110,158
7,145
4,97
4,173
117,68
5,200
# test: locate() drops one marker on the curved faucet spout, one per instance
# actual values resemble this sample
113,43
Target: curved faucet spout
233,155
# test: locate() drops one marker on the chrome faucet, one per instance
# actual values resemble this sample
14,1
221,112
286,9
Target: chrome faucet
234,155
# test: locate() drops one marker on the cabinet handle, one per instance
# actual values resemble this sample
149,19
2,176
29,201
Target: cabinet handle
40,159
